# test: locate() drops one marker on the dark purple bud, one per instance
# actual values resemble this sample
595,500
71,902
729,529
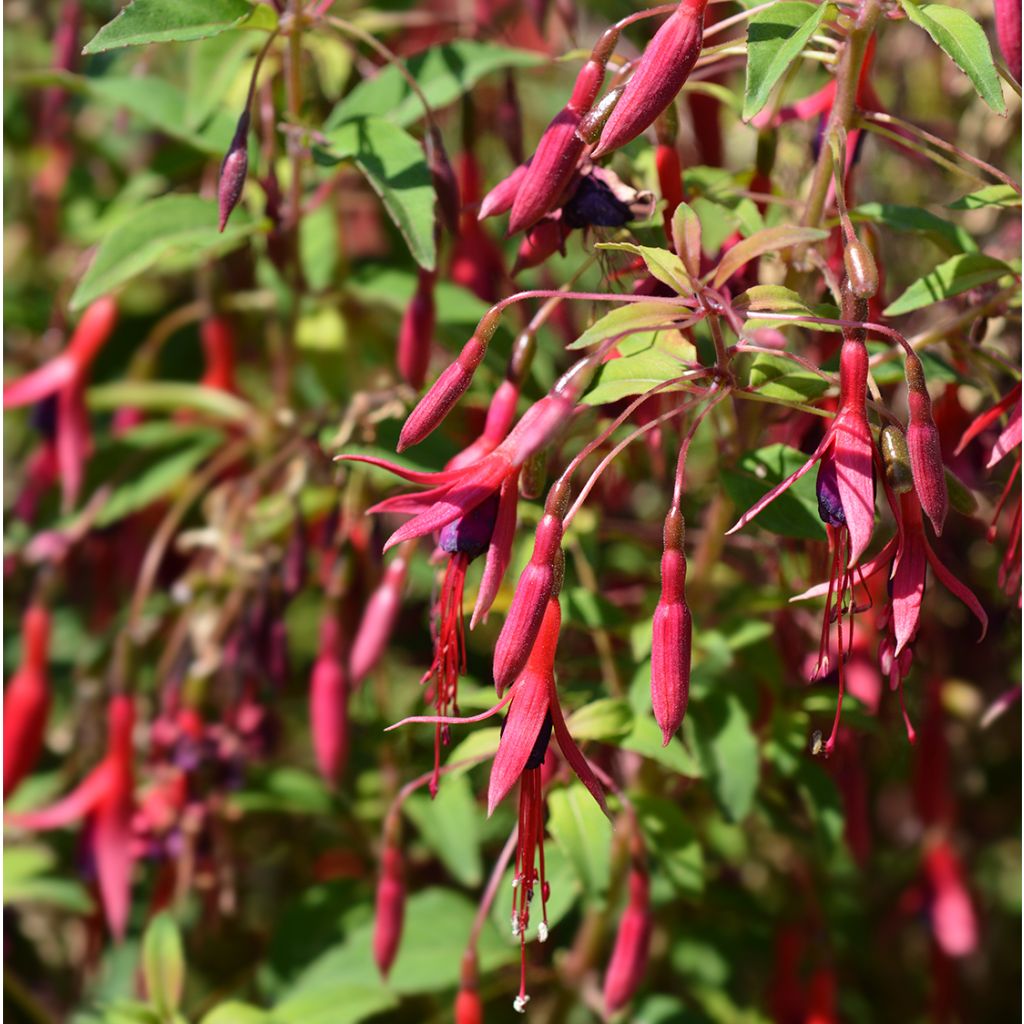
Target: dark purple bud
233,171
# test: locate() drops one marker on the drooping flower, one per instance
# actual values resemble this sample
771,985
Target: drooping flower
378,620
65,377
416,333
628,961
953,920
1008,34
27,700
389,914
328,700
104,799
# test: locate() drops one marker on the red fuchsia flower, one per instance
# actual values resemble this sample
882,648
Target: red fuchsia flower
65,376
104,799
378,620
389,913
628,962
672,633
560,148
218,338
328,700
1008,34
665,65
953,921
27,700
416,334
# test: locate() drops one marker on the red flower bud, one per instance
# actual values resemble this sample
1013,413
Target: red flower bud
233,171
27,700
503,195
468,1007
545,238
660,73
632,941
671,635
390,909
378,620
218,337
435,405
417,332
954,924
1008,34
328,701
925,448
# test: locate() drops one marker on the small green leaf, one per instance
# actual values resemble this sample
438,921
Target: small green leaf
663,265
444,73
178,228
730,752
646,361
608,719
784,236
964,42
958,274
794,513
449,826
233,1012
169,396
163,963
686,231
673,841
165,21
394,165
584,835
775,38
780,377
990,195
630,319
945,233
479,744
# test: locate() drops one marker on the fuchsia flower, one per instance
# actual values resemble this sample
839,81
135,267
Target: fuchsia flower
328,700
65,377
104,799
389,913
662,70
468,1007
27,700
954,924
628,962
378,620
1008,34
218,337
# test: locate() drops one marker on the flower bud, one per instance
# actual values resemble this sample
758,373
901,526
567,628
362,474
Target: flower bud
592,123
534,474
671,637
954,924
328,701
860,269
390,909
378,621
545,238
628,961
435,405
1008,34
896,457
468,1007
665,65
27,700
503,195
539,580
925,447
233,171
416,334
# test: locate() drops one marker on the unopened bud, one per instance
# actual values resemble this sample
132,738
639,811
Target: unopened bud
925,447
534,474
389,910
233,171
860,269
593,122
416,333
544,239
628,961
896,457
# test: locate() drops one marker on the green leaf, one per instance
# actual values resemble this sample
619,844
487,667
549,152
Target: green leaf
780,377
480,743
784,236
990,195
163,963
178,228
958,274
661,359
775,38
394,165
964,42
25,881
449,825
168,396
945,233
730,752
663,265
285,790
686,231
233,1012
608,719
794,513
630,319
584,835
673,841
444,73
165,21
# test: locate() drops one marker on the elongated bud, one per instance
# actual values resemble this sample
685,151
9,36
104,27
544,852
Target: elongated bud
218,339
925,447
378,621
665,65
435,405
896,457
510,119
500,199
1008,34
93,331
544,239
446,185
628,961
671,636
328,701
954,923
860,269
27,700
390,909
233,171
468,1007
416,334
538,581
592,123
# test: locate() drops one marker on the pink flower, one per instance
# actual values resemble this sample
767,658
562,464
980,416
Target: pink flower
328,700
416,334
954,925
104,799
27,700
378,620
389,914
628,961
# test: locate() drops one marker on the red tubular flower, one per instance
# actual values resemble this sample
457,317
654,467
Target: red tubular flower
378,620
328,701
671,634
416,334
65,377
27,700
660,73
954,925
104,799
1008,34
558,153
628,962
477,263
390,909
925,448
544,239
218,337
